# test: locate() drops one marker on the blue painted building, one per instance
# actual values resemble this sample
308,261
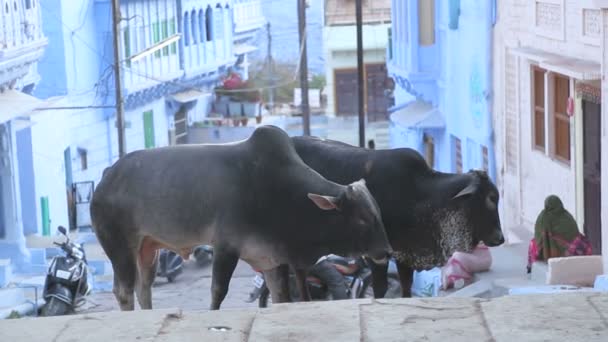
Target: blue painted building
22,44
440,57
54,150
164,91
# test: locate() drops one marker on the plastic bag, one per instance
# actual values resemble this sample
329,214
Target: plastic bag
426,283
460,268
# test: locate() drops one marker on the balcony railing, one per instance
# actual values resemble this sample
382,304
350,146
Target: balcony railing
248,15
342,12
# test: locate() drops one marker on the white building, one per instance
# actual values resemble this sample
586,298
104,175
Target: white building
550,62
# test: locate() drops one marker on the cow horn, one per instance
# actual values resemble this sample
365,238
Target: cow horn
469,189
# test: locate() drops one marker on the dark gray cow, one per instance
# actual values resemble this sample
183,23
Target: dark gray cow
428,215
254,199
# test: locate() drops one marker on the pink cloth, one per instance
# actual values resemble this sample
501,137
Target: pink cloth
464,265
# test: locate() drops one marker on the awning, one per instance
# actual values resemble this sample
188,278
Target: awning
188,96
573,67
418,114
14,104
240,49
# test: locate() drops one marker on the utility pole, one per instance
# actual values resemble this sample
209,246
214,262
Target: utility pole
303,66
120,119
359,15
270,66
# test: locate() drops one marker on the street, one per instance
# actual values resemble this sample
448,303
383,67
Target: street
191,290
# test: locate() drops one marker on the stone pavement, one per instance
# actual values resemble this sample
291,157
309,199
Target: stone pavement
564,317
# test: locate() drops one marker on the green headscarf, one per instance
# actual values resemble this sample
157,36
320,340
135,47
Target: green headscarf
554,229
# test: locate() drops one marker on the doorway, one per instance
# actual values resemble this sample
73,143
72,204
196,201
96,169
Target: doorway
592,173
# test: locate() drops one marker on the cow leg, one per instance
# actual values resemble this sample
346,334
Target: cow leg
301,283
379,278
147,263
406,277
277,280
123,259
224,263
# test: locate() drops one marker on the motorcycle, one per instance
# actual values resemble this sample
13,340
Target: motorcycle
67,279
356,275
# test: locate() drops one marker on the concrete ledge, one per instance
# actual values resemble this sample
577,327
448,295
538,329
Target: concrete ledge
6,272
479,289
563,317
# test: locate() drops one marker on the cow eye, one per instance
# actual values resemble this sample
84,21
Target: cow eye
491,201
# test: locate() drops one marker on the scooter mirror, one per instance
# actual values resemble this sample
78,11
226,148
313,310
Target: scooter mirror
62,230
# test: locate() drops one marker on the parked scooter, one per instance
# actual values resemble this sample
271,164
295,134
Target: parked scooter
66,283
203,255
170,265
355,272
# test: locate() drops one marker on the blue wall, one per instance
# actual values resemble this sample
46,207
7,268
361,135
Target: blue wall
52,66
458,69
26,184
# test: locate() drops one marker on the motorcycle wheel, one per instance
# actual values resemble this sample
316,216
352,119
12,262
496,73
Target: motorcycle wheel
55,307
264,298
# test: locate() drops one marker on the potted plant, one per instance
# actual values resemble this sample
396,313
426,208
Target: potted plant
252,103
227,94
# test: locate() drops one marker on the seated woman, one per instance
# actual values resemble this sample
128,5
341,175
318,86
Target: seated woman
556,234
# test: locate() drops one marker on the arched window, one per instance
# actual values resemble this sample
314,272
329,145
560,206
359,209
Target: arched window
186,29
193,18
209,23
201,24
218,25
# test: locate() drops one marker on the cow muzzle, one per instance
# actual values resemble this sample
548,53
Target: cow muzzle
496,240
381,257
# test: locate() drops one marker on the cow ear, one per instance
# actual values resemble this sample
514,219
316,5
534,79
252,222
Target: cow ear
470,189
324,202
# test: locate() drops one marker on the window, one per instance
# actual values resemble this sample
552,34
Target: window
209,24
82,153
218,29
141,38
457,154
164,32
156,36
28,4
426,22
186,29
539,108
201,23
552,89
172,31
561,120
195,34
126,36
